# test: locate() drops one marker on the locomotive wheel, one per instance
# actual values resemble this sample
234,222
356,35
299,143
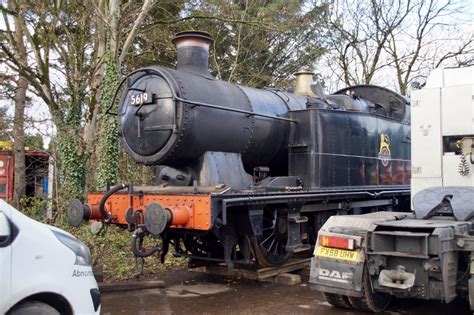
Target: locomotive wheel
371,301
337,300
269,248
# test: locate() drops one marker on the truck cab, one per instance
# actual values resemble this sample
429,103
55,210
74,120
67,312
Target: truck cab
43,269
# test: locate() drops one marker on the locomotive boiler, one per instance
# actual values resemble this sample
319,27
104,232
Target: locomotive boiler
247,176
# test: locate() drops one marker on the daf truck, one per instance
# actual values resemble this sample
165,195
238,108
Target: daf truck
362,261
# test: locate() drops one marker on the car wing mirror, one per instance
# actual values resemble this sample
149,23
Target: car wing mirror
5,230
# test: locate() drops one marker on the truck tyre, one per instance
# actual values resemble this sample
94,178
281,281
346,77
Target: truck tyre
371,301
33,308
337,300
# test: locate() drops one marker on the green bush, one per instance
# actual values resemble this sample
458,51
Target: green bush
34,207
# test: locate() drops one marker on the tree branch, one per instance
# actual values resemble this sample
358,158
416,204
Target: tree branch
147,5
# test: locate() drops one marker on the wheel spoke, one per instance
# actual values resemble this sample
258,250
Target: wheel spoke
268,238
275,251
271,245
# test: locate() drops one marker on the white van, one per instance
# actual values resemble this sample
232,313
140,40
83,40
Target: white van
43,269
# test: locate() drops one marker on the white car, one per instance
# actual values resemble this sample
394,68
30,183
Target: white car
43,269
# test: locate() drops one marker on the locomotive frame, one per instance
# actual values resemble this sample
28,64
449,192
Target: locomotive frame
231,228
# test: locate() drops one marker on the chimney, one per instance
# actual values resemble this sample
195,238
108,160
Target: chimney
193,51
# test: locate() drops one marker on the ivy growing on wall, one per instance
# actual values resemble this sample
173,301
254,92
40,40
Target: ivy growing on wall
108,140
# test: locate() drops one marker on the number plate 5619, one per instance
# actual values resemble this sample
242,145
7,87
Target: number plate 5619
138,99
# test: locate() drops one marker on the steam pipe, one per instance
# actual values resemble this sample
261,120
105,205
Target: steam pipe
106,196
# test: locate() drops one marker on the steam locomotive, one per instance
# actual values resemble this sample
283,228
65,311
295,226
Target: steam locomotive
247,176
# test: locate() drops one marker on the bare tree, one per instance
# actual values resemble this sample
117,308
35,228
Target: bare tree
358,32
69,46
431,37
60,65
372,42
16,41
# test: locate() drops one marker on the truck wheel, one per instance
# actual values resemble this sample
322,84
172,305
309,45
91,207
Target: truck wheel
33,308
371,301
337,300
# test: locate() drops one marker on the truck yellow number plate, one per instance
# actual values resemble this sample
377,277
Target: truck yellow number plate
337,253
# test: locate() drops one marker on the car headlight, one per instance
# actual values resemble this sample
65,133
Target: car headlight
83,255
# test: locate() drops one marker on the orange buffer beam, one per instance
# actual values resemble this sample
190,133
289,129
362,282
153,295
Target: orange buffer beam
188,211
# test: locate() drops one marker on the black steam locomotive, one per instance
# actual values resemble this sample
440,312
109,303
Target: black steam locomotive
249,175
